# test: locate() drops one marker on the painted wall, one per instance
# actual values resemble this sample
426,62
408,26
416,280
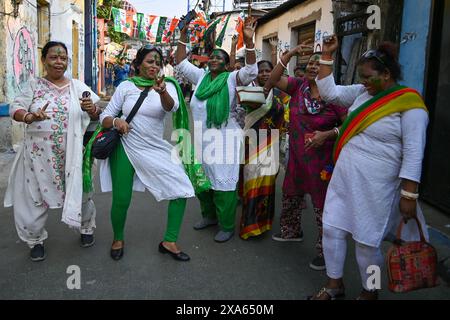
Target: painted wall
413,47
288,38
19,59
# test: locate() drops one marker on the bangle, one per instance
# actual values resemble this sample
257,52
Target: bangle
326,62
409,195
183,43
25,117
250,49
336,130
281,61
114,122
162,91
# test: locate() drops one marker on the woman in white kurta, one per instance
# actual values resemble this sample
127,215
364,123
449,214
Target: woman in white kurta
221,135
46,173
143,159
364,197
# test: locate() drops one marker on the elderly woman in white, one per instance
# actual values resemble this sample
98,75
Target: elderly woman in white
378,158
143,159
214,106
47,171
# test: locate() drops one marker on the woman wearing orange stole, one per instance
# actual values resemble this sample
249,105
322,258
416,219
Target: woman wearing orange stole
378,160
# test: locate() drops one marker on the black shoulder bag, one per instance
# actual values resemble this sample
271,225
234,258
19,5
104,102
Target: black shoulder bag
106,141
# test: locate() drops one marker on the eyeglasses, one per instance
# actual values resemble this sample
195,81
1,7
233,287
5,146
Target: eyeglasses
374,54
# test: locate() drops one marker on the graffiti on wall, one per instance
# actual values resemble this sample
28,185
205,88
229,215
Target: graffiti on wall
24,57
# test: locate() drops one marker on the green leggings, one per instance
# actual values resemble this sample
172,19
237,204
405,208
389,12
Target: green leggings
122,174
220,204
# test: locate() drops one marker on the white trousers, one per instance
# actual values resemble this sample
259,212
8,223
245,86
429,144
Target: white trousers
335,249
30,219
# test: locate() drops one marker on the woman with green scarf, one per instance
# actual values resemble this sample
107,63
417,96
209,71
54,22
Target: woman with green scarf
213,107
143,159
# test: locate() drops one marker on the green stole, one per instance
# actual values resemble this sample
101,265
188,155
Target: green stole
180,118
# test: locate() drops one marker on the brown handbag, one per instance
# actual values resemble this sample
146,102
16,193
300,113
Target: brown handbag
411,265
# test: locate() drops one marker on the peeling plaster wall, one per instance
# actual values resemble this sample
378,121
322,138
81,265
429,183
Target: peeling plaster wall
283,26
19,55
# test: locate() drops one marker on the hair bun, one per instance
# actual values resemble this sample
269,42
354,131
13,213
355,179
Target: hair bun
390,49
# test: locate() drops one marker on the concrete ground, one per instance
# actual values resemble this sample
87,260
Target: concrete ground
256,269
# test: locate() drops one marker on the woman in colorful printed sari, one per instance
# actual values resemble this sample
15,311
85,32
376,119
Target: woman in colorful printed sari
261,166
378,160
46,173
143,159
213,105
312,131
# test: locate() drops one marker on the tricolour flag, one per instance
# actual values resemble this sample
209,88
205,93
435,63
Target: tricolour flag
120,18
161,26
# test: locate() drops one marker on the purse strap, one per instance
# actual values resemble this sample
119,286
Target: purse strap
400,228
138,104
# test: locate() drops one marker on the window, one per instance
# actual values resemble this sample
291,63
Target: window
305,33
43,29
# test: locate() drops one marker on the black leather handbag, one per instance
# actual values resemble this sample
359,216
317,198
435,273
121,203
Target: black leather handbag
106,141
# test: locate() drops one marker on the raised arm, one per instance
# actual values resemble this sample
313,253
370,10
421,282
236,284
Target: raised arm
276,78
249,73
329,91
234,42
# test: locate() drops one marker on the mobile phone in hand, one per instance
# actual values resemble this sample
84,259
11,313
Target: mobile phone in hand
85,94
189,17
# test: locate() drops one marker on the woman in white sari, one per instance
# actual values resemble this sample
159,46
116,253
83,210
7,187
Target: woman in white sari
47,171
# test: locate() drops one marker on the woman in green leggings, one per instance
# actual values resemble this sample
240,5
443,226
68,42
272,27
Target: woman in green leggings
143,158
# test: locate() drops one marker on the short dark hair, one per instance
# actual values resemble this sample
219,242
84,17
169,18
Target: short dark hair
225,54
385,56
142,52
50,45
265,61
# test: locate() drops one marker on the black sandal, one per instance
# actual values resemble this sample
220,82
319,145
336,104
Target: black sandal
332,293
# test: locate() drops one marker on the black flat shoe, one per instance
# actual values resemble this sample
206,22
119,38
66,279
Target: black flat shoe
180,256
117,254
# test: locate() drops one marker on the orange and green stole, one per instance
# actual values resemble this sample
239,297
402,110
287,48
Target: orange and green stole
396,99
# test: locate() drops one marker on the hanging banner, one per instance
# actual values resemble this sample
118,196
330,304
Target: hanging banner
161,26
140,26
219,40
129,24
120,18
171,24
153,29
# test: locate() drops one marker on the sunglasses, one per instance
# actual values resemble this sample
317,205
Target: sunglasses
150,47
374,54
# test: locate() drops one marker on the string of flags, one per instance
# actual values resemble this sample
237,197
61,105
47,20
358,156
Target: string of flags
156,29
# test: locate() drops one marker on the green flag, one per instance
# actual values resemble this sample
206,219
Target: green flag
161,26
119,16
141,33
219,39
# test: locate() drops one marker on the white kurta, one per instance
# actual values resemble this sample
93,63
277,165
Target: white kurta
148,152
364,192
220,148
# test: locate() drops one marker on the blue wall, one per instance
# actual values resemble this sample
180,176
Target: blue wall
413,53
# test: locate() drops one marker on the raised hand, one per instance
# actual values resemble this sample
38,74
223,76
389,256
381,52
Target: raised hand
273,42
249,28
330,44
305,46
160,85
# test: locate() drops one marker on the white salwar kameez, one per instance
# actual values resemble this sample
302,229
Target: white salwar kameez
220,148
148,152
364,192
47,170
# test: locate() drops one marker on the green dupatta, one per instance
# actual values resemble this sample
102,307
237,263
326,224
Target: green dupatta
218,99
180,118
